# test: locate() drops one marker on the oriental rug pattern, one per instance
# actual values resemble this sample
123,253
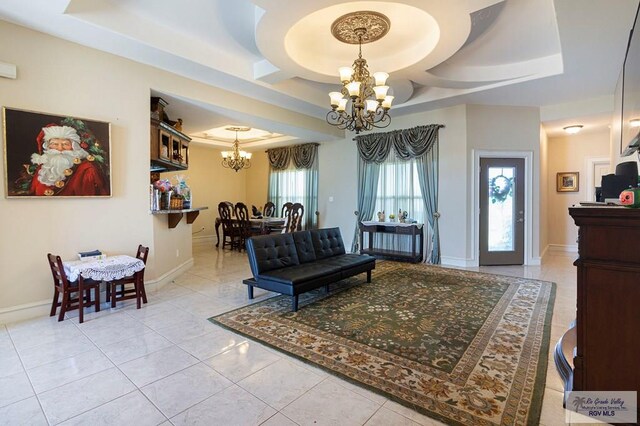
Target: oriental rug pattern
459,346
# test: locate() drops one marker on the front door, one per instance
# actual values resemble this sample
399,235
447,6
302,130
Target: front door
501,211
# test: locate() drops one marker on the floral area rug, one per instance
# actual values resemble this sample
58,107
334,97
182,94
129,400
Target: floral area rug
461,347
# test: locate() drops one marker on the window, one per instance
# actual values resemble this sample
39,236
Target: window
296,186
399,189
287,186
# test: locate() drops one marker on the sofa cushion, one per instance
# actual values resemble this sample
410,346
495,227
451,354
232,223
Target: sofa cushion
300,273
347,261
269,252
304,246
327,242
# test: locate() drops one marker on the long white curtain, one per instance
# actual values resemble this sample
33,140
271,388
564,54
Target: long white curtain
295,186
399,190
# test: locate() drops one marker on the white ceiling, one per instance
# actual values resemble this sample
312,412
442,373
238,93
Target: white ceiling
439,53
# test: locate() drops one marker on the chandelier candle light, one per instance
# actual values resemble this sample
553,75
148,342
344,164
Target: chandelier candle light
236,159
363,102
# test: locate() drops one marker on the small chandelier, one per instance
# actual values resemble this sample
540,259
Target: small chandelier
363,102
236,159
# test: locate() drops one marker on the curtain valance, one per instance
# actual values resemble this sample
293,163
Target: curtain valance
303,156
407,143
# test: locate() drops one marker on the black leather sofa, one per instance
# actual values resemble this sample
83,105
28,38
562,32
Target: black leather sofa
298,262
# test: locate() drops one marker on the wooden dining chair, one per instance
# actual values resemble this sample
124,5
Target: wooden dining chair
231,232
115,294
269,209
285,209
75,294
293,221
242,217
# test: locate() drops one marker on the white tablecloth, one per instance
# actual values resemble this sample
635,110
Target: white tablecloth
109,269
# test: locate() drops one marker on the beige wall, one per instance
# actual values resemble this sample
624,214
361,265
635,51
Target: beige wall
509,128
569,154
544,194
63,78
257,180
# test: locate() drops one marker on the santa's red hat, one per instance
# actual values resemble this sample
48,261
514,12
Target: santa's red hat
55,131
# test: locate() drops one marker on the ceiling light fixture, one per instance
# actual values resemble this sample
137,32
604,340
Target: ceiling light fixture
236,159
363,102
573,129
635,122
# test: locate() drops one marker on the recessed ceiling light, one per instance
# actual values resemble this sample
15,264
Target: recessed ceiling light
573,129
635,122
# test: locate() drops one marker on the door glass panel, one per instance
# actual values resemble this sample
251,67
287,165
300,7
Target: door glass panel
501,208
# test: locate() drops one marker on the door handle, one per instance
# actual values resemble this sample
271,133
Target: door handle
520,220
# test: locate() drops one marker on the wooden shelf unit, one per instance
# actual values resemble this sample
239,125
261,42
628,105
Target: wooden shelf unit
414,231
169,147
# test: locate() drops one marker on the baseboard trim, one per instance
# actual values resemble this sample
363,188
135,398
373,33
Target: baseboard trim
544,253
157,283
457,261
562,248
25,311
204,238
534,261
41,308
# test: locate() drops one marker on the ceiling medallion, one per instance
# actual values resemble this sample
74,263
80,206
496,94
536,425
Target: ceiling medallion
236,159
376,25
363,103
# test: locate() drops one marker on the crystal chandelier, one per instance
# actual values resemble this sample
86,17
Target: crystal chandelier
363,102
236,159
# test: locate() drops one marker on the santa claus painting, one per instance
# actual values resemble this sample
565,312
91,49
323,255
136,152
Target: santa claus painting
70,159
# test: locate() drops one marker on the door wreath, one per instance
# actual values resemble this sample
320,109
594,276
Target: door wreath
499,188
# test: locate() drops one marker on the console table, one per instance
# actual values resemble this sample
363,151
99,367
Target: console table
412,230
605,344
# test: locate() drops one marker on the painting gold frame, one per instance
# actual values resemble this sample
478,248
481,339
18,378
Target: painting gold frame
23,140
568,182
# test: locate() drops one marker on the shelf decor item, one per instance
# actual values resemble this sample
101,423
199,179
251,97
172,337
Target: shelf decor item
183,189
567,182
176,202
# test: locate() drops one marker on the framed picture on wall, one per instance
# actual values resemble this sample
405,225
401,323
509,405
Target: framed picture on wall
568,182
55,156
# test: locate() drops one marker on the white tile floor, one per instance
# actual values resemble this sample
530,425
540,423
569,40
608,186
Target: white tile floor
166,363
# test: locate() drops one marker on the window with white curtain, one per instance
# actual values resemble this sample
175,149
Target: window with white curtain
399,189
287,185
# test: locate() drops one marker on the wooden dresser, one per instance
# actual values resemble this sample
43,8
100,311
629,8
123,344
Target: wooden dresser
607,327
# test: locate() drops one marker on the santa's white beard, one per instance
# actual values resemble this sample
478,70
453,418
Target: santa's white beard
54,163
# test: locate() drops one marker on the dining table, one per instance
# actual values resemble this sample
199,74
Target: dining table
264,223
110,268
